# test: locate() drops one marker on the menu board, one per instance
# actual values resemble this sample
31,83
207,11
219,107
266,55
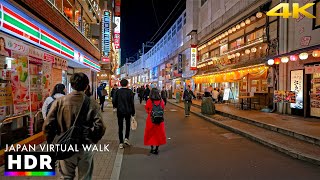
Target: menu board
297,87
315,95
226,94
278,96
284,97
20,84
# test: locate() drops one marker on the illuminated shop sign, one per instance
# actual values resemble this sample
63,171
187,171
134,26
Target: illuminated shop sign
106,33
193,58
21,27
117,33
117,8
297,87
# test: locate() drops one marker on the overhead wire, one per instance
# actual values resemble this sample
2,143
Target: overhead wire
155,13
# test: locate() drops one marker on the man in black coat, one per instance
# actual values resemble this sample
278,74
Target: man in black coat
124,102
146,93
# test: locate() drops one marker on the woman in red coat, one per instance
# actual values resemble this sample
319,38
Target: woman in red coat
154,134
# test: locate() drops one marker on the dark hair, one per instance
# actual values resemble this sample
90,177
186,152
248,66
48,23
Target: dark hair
88,91
189,86
124,82
58,88
155,94
207,94
115,85
79,81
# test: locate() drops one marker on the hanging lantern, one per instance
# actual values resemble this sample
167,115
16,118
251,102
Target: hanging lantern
214,40
284,59
230,31
293,58
259,15
247,51
226,33
242,24
276,60
253,18
248,21
234,29
254,49
233,55
229,57
238,26
222,35
238,54
316,53
303,56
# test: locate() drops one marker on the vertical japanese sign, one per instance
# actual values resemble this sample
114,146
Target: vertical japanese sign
117,33
117,7
297,87
193,58
106,33
180,64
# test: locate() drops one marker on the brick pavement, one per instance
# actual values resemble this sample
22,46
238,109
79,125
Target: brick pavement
103,161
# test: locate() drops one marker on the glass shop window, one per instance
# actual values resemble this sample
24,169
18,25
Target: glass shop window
78,16
237,43
67,9
255,35
215,53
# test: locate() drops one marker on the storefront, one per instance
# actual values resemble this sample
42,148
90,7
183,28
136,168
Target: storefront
32,60
234,59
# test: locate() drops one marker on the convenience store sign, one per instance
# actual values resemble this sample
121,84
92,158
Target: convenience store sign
20,27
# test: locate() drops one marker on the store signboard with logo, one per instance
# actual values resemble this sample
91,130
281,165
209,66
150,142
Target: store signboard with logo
106,33
180,64
35,33
312,69
297,87
117,21
193,58
117,8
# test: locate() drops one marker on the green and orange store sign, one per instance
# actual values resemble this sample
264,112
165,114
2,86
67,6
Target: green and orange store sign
14,22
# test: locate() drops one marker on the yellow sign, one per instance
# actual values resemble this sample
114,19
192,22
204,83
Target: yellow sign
5,94
296,10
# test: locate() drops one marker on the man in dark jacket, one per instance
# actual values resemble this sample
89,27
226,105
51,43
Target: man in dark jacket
102,93
61,117
141,93
187,97
164,95
146,93
124,102
113,91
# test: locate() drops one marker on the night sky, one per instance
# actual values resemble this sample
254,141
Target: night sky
139,24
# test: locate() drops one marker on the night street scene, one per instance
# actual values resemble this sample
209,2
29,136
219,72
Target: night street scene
160,89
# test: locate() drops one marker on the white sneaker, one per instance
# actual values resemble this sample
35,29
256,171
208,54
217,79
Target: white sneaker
121,146
126,142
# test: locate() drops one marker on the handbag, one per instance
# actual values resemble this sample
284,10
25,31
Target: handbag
73,136
134,123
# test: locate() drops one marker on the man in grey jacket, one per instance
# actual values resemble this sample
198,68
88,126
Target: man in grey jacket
62,116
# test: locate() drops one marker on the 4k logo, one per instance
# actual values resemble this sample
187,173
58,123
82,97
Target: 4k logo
296,9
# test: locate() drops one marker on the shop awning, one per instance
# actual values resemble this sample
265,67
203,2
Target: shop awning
256,72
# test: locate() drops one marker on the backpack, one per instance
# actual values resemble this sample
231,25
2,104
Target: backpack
157,113
49,105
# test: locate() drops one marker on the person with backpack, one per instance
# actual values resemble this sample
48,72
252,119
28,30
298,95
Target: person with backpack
187,97
78,119
124,102
154,133
58,91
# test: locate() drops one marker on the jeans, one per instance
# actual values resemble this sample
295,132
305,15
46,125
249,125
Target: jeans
120,125
102,99
187,105
83,160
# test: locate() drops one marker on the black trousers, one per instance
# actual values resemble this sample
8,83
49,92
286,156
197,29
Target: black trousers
120,125
165,101
141,98
102,100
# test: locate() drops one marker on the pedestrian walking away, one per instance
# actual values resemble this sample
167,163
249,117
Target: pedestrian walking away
58,91
154,133
124,102
164,95
146,93
187,97
62,117
102,93
141,94
114,89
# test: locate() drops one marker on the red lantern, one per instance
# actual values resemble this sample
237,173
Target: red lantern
293,57
277,60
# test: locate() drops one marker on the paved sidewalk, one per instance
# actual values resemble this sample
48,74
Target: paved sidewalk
103,161
309,127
